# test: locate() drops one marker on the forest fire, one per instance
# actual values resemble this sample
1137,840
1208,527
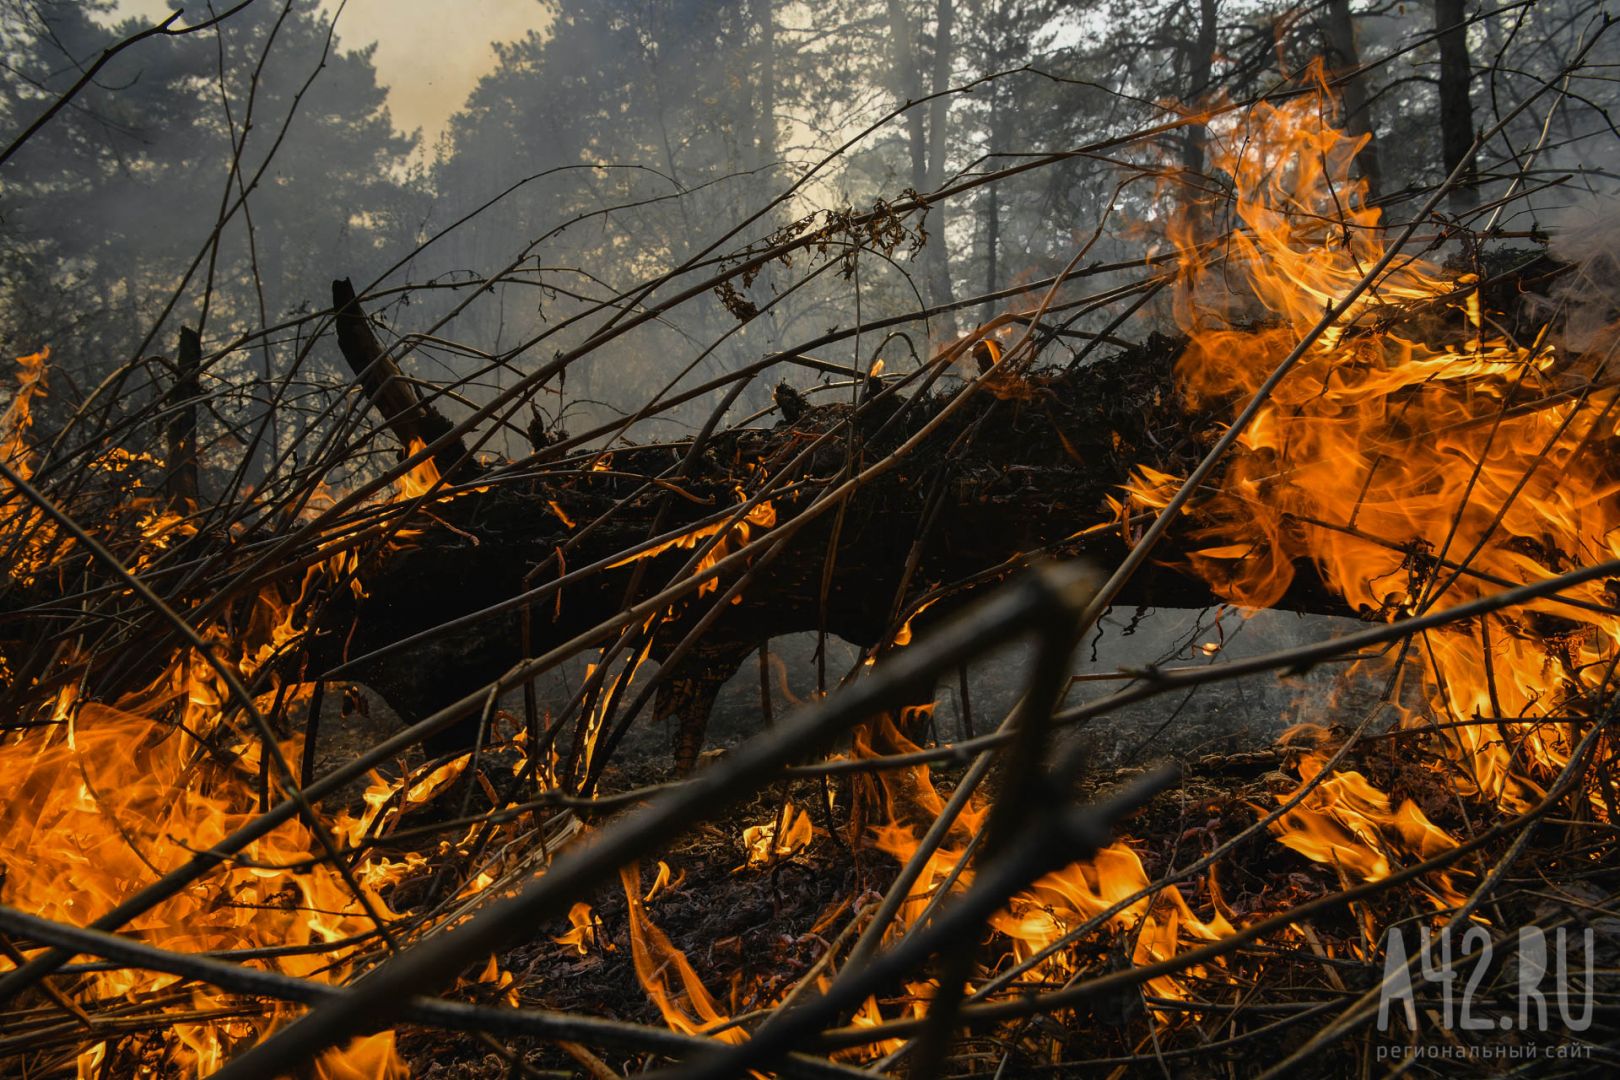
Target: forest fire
1379,435
1139,668
1416,475
108,796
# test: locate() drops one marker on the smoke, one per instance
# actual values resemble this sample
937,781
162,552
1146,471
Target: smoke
1587,235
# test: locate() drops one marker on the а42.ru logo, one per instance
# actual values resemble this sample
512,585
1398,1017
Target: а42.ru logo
1460,976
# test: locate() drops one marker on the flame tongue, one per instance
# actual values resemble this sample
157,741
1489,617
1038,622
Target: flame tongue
667,975
765,847
421,478
1052,906
109,800
1346,822
1397,449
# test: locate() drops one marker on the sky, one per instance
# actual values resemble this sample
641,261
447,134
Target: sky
430,53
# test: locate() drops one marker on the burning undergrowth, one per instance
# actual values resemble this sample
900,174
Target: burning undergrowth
756,932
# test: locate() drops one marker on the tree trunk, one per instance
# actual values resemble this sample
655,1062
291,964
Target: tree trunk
1456,110
937,255
908,87
1033,473
927,146
1200,62
1024,472
1345,57
992,242
765,125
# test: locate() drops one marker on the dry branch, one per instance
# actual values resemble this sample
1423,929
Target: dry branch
414,422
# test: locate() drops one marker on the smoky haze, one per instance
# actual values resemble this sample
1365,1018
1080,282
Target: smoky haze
495,172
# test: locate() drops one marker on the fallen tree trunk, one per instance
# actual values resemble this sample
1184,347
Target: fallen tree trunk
523,559
1005,476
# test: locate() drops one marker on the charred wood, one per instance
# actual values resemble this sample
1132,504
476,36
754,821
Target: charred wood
1016,475
182,429
412,420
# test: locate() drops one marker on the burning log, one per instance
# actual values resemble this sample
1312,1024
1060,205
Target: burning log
1434,461
1006,481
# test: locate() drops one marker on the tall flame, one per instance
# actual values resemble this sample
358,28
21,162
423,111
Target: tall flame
1408,441
667,975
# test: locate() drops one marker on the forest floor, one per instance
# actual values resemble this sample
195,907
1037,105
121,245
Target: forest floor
752,931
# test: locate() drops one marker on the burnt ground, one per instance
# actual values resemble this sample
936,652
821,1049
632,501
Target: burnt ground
752,932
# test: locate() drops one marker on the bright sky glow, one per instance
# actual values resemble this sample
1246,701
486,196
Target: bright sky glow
430,53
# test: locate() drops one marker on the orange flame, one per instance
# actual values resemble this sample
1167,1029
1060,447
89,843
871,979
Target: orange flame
763,845
687,1007
582,936
105,800
107,797
1394,451
421,478
27,532
1347,823
1164,924
761,516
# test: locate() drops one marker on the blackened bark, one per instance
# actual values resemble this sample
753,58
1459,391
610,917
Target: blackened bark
182,430
1456,110
1343,60
1015,475
409,417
